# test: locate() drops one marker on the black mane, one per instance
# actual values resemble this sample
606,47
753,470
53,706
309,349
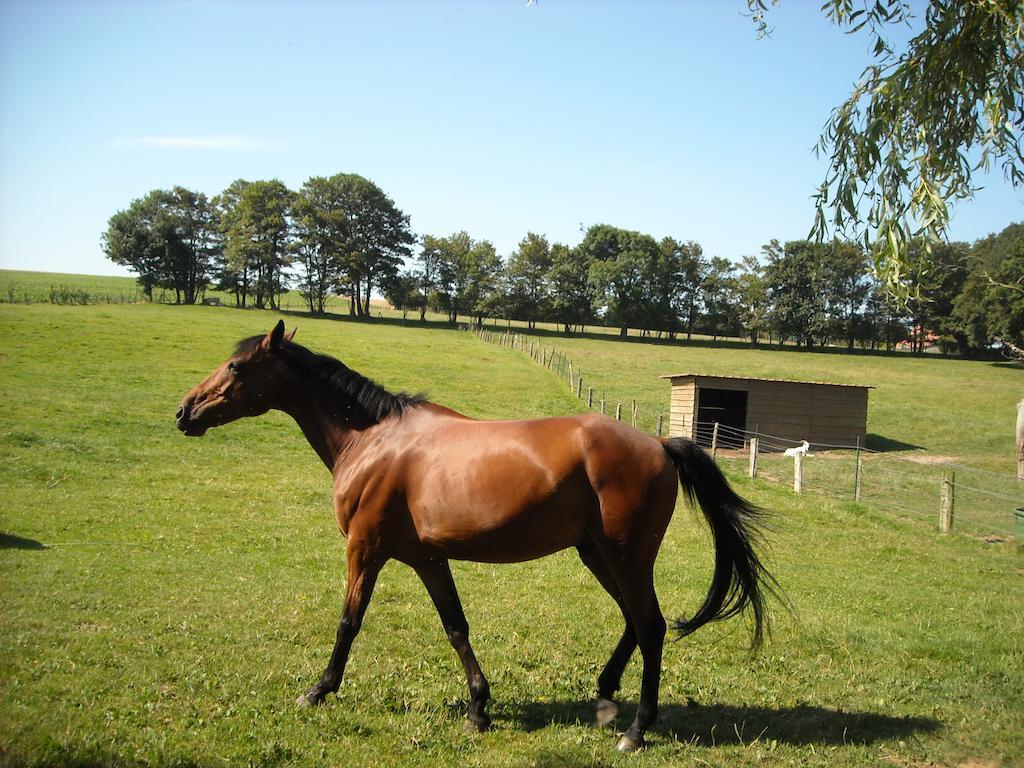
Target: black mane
346,387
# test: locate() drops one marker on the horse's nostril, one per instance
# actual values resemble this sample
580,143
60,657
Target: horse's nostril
180,413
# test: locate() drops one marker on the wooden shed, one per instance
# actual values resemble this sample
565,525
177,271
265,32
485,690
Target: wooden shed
833,414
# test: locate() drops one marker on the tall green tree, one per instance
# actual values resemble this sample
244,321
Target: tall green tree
468,273
351,238
572,294
991,305
169,238
793,281
752,298
427,270
320,215
258,240
844,284
720,299
621,270
527,274
382,241
939,272
233,274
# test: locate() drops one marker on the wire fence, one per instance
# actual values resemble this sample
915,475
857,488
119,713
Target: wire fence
909,485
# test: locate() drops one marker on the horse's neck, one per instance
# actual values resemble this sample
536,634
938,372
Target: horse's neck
326,432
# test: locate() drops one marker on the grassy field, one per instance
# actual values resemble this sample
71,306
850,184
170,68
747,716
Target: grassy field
166,599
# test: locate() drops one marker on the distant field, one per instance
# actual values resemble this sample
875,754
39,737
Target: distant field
166,599
25,287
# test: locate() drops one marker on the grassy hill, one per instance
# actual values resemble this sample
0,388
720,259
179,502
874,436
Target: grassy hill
166,599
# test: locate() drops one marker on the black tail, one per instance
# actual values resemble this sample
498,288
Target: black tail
740,579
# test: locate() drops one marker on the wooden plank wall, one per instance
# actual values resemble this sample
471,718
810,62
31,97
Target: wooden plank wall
683,409
818,413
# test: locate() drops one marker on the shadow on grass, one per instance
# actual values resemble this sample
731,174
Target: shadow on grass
718,724
886,444
9,541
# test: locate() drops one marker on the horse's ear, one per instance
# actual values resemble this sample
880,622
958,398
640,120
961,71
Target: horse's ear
273,339
291,335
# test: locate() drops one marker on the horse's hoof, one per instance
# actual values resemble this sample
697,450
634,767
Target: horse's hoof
309,699
473,726
607,711
628,744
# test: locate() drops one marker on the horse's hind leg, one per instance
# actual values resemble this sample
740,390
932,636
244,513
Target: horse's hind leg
642,605
610,679
437,578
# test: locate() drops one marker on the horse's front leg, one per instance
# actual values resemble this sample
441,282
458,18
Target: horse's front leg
363,567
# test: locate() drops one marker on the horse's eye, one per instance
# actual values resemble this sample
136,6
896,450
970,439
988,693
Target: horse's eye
233,367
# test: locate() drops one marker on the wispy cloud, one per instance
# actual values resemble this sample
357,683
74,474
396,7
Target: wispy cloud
243,143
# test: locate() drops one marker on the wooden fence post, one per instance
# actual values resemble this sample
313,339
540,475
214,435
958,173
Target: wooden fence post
752,469
798,472
946,501
856,476
590,397
602,406
579,387
660,416
618,411
714,442
634,413
570,376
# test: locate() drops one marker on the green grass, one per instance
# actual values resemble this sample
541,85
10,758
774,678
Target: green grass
166,599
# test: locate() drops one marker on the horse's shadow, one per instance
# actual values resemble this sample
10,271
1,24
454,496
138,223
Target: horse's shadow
10,541
718,724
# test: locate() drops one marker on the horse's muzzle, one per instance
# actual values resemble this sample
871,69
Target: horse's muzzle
183,418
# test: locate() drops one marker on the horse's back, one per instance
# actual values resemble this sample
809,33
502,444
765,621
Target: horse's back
515,490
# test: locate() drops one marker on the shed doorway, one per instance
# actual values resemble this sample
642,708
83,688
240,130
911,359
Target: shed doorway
729,408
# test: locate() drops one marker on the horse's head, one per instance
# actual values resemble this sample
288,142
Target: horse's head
243,385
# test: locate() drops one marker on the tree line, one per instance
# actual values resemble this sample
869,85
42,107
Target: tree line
337,235
342,236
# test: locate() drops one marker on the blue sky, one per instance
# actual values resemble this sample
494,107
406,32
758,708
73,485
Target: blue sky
484,115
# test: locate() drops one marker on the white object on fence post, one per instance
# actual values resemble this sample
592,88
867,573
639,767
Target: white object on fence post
798,472
946,502
570,375
752,469
714,442
1020,440
618,411
602,406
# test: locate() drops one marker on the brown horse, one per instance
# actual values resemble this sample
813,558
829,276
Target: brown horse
422,484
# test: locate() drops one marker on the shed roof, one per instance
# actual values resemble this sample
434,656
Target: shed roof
759,378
